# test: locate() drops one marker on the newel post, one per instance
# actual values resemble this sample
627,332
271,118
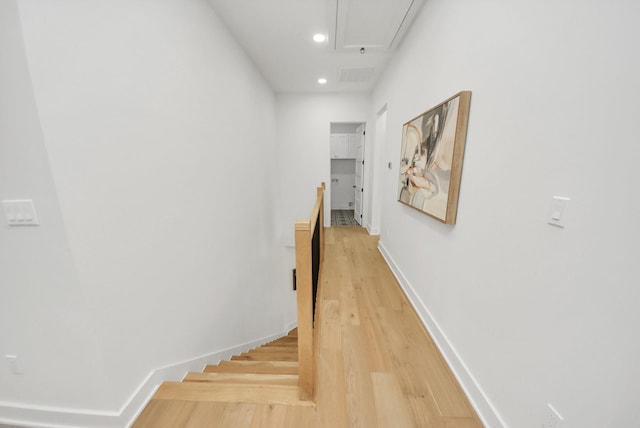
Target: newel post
306,370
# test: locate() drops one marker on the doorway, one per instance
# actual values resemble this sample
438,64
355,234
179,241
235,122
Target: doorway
347,173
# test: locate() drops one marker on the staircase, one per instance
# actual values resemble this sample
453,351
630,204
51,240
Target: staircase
267,374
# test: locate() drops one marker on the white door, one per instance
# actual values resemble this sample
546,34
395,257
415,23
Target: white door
359,186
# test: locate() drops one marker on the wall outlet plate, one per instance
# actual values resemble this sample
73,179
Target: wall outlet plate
14,363
553,418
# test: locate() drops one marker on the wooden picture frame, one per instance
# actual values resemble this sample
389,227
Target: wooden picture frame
431,158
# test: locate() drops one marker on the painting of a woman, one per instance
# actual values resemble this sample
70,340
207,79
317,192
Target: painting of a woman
426,162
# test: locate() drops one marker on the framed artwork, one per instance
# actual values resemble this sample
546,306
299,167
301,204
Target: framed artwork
431,158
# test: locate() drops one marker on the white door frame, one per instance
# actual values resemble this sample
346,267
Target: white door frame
358,208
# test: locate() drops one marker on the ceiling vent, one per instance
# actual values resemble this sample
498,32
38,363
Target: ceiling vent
360,74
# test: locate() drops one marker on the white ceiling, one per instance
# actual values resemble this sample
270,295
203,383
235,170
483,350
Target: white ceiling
277,35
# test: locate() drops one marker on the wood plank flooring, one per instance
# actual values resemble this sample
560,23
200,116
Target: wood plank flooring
376,365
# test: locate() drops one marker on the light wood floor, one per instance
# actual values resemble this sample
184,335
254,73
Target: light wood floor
376,365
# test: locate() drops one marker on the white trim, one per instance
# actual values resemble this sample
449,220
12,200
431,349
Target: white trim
372,231
293,324
33,416
487,413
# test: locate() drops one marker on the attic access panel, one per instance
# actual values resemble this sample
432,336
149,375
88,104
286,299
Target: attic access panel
372,24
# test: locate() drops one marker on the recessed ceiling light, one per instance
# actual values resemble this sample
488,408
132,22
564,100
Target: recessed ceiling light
322,80
319,38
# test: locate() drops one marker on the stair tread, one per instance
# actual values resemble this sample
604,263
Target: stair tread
243,378
281,345
286,339
268,348
264,367
266,356
276,353
230,393
261,363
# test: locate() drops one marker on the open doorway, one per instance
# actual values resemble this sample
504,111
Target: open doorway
347,173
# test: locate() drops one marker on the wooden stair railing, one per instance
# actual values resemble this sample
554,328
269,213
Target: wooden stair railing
309,242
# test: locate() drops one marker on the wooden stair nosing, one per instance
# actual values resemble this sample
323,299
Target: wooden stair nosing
275,349
267,348
289,343
266,356
280,345
260,363
291,339
243,378
257,367
230,393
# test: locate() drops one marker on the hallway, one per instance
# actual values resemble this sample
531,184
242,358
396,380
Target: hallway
376,366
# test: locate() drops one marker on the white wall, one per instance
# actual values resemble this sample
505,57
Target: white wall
380,164
537,314
303,149
157,243
44,317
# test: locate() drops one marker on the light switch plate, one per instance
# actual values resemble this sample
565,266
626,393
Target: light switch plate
20,213
557,211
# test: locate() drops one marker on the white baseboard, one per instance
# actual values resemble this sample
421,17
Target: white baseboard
371,230
31,416
293,324
476,395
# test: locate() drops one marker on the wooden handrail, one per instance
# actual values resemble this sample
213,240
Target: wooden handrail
304,236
